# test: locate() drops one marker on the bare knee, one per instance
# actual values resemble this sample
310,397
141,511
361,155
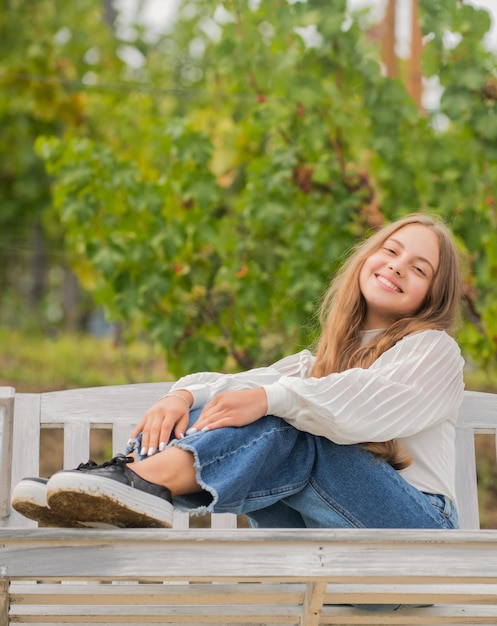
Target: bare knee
173,468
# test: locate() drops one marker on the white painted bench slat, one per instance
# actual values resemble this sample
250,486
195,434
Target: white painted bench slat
255,593
226,575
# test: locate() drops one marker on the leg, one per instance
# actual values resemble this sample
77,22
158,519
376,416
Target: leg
226,470
173,468
245,469
350,487
223,461
278,515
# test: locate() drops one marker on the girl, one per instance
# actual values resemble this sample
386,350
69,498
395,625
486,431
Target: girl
365,430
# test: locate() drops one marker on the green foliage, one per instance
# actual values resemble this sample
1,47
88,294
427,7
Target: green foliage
212,216
46,52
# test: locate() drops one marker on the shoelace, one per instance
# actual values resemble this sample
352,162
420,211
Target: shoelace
119,459
86,466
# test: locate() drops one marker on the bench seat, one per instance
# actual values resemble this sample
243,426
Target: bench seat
224,574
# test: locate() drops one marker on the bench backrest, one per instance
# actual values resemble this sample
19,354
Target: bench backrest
77,412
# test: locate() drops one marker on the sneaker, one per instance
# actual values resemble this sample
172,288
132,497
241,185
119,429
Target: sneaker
110,493
29,498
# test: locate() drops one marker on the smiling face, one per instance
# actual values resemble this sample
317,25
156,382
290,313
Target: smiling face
395,279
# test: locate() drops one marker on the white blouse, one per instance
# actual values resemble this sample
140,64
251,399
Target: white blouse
412,392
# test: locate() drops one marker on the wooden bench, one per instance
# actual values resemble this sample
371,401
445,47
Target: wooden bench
224,574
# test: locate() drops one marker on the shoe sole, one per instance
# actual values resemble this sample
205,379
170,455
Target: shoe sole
30,500
91,498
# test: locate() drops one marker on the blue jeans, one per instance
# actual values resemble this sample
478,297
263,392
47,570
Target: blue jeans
281,477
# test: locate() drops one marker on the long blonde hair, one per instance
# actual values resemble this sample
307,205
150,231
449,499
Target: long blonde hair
343,314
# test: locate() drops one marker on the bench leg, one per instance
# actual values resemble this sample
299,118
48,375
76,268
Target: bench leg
4,603
313,603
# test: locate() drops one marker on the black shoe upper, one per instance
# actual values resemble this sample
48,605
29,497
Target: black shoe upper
117,469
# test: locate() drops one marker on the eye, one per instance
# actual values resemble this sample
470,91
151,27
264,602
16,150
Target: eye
419,270
389,250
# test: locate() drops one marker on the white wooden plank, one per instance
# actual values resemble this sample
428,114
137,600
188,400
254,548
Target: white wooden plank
26,437
223,520
102,404
253,593
181,520
25,457
155,593
405,593
466,486
454,614
121,432
6,436
76,443
245,554
207,614
248,613
263,614
175,620
478,411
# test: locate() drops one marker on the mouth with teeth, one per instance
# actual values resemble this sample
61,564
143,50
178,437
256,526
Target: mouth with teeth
388,283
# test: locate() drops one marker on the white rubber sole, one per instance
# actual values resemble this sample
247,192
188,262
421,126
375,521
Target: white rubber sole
29,498
32,492
93,498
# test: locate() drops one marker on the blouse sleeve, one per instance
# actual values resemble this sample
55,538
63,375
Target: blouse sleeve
414,385
205,385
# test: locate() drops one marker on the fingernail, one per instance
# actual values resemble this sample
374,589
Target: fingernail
204,429
150,451
143,451
162,446
131,441
191,430
182,435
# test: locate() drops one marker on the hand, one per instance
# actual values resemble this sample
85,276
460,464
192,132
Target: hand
169,415
233,408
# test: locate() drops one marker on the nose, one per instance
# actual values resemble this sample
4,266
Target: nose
396,268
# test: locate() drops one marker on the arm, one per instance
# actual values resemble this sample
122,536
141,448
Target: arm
204,386
244,400
414,385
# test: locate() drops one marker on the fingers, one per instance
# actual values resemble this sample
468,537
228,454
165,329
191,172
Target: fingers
213,424
180,428
156,431
168,415
211,415
209,418
235,408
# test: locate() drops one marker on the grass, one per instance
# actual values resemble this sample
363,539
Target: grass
33,363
